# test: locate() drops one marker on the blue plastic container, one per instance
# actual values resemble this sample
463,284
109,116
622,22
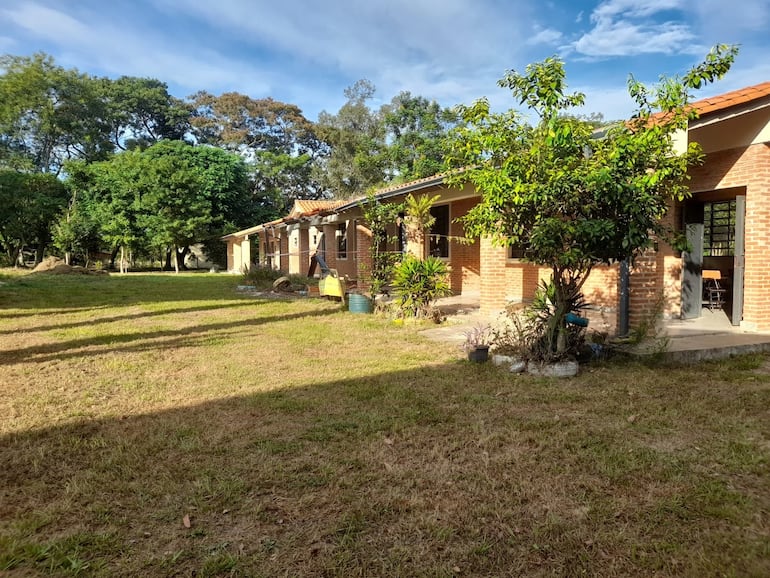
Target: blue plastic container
359,303
576,320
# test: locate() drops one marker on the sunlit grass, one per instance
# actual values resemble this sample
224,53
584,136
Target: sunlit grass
302,440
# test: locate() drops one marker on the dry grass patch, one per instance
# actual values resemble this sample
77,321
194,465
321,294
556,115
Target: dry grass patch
160,425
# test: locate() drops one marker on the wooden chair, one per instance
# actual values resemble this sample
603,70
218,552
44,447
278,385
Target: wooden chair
713,291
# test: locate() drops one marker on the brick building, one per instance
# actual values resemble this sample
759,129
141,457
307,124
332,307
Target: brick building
727,221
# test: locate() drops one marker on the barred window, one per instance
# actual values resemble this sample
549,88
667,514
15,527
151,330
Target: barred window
719,229
342,241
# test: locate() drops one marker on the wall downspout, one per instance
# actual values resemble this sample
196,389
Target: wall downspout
624,298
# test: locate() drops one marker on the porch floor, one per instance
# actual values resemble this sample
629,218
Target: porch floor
710,336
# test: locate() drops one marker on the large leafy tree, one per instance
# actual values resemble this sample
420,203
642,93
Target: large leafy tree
278,143
164,198
141,112
356,135
417,130
218,185
30,204
49,115
570,200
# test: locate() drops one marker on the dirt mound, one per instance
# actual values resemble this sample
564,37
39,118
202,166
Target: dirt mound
56,266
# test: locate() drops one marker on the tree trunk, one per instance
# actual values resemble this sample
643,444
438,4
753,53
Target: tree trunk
176,260
558,322
15,254
167,263
122,259
39,252
113,256
181,256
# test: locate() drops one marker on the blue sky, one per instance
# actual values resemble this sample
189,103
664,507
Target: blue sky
307,51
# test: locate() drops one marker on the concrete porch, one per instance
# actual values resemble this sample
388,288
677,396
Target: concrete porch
710,336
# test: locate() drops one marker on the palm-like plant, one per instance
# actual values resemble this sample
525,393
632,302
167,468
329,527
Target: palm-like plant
419,283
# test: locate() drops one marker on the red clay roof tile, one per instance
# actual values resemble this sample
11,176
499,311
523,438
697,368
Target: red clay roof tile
730,99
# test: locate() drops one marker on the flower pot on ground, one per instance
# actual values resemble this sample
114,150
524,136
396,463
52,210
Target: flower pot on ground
358,303
477,343
553,369
479,354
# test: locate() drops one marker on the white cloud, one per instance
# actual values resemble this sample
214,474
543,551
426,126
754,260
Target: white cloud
545,36
633,8
125,51
453,54
359,36
611,101
723,21
627,28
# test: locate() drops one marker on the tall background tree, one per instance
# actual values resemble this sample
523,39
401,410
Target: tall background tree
278,143
49,115
356,136
569,200
141,112
416,130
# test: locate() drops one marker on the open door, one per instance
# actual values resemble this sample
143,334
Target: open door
692,261
738,259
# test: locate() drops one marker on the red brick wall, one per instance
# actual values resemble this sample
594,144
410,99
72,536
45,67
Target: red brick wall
505,280
464,258
655,284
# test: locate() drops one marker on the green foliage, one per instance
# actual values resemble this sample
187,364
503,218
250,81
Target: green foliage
418,216
142,112
419,283
546,326
169,195
570,200
356,137
378,216
30,204
402,141
278,143
49,114
417,129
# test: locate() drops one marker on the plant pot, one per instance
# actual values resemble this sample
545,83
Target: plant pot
359,303
479,354
514,364
556,369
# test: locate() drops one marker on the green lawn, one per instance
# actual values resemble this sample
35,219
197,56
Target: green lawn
298,440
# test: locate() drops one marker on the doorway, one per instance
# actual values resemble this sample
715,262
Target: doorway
712,270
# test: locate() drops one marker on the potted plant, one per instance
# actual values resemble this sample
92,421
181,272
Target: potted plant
476,343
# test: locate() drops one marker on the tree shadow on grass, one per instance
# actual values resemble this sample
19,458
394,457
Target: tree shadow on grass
129,316
411,472
151,340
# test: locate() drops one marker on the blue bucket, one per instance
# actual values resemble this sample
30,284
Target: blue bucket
359,303
576,320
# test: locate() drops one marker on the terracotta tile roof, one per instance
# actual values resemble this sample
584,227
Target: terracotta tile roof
394,190
731,99
304,206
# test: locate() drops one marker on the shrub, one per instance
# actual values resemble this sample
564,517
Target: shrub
529,333
418,284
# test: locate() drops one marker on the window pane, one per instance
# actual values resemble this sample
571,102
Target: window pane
439,232
342,241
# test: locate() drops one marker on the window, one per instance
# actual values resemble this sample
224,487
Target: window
719,229
515,252
342,241
439,232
